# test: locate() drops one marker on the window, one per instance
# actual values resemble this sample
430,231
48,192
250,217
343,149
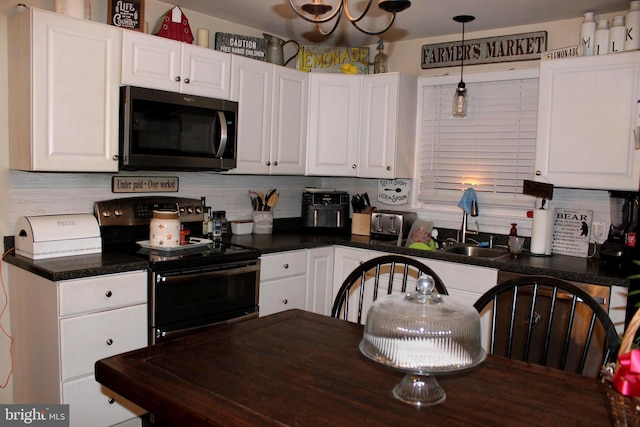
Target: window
492,149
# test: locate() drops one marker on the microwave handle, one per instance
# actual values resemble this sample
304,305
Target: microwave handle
223,133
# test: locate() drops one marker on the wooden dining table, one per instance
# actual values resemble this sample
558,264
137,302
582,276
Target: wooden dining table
297,368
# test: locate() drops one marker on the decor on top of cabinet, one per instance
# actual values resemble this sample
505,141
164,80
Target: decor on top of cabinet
601,39
331,59
251,47
632,26
74,8
588,33
175,26
126,14
617,34
381,61
275,49
460,98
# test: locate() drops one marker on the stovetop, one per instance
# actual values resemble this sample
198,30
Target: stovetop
125,221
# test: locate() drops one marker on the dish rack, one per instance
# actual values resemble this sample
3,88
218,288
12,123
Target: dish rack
624,410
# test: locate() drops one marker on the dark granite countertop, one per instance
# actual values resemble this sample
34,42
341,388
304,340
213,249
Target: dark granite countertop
564,267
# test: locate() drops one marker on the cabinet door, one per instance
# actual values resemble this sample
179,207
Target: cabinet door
320,280
289,122
252,87
150,61
64,93
334,115
588,122
205,72
378,123
346,260
91,404
283,294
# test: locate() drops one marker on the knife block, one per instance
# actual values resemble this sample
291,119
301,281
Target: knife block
361,224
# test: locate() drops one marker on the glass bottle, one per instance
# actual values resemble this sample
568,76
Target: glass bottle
380,62
224,223
587,33
217,225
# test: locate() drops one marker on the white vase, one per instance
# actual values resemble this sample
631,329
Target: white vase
587,33
601,39
632,26
616,35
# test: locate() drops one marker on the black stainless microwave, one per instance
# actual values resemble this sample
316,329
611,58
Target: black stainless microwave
162,130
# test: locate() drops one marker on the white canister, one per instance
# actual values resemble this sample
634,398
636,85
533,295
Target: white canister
164,229
601,39
203,37
262,222
587,33
74,8
616,35
632,26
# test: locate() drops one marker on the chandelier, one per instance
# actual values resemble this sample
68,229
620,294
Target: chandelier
319,12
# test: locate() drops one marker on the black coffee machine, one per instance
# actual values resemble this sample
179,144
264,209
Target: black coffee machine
620,246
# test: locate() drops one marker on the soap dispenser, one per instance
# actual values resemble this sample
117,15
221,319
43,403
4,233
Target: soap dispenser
514,230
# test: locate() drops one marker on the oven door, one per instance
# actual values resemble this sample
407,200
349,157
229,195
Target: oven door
184,300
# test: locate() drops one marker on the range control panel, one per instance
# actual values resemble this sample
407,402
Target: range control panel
139,210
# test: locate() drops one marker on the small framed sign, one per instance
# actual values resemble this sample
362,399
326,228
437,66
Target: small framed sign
571,232
144,184
126,14
394,191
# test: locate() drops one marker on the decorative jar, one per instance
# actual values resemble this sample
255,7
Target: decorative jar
164,229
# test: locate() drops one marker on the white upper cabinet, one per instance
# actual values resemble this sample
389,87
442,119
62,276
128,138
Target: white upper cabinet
64,79
160,63
252,88
589,122
272,117
334,120
387,126
362,125
289,121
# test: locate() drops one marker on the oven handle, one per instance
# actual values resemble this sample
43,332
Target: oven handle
183,276
160,335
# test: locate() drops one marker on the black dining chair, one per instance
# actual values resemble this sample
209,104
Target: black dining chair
549,322
381,275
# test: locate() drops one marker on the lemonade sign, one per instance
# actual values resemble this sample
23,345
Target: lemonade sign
330,59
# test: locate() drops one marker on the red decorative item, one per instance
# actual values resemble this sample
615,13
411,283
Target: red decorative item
175,26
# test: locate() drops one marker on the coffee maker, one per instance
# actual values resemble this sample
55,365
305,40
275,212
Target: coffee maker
620,245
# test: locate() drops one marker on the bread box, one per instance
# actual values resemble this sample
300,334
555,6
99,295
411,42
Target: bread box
51,236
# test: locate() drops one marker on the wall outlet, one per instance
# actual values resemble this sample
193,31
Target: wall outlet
598,232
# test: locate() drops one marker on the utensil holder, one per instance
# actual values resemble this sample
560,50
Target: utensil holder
262,222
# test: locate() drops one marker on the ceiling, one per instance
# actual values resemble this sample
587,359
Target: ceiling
425,18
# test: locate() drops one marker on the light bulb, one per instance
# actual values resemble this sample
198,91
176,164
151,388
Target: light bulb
460,105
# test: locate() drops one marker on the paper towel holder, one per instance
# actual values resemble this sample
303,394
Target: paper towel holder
537,189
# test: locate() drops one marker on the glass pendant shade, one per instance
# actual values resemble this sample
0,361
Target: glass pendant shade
460,101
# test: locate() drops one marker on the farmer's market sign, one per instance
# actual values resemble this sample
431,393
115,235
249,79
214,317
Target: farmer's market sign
515,47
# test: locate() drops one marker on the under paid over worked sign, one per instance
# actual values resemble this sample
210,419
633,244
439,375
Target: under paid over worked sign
514,47
144,184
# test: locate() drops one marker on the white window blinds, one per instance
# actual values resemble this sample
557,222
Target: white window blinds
492,149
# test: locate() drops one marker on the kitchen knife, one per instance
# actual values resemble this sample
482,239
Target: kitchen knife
366,199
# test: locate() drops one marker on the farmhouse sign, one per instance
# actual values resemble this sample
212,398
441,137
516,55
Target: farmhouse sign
514,47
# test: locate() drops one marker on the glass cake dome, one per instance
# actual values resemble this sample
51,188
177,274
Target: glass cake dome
422,333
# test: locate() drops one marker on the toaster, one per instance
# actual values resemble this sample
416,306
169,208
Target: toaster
386,223
325,209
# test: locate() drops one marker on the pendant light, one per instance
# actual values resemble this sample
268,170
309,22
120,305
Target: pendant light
460,98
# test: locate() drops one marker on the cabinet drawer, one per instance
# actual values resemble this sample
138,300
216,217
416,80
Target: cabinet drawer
90,404
85,339
285,264
102,292
281,295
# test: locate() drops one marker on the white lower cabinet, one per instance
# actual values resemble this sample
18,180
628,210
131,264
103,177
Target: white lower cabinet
283,281
62,328
320,264
297,279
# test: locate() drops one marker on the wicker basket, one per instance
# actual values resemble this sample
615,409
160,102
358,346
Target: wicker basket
624,410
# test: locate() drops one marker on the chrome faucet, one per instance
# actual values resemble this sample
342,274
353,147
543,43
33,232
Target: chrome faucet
464,231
